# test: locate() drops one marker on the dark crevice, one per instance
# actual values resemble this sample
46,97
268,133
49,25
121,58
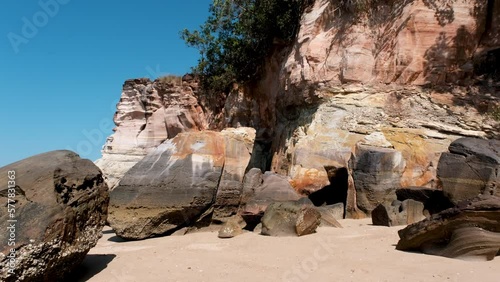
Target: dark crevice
336,191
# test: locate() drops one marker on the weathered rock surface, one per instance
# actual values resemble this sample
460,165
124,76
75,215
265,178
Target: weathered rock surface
406,42
238,149
171,187
398,213
60,208
232,227
149,112
470,229
289,219
434,200
188,180
258,195
471,168
377,174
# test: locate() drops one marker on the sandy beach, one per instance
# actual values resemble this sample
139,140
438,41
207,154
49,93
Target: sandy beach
357,252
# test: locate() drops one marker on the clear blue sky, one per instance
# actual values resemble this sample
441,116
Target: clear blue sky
61,87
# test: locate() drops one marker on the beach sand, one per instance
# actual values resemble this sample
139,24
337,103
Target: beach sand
357,252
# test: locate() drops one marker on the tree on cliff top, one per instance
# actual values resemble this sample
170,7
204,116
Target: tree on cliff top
237,37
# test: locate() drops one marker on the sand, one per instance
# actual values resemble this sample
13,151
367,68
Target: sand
357,252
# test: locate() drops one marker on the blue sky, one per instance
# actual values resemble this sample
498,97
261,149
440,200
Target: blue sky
62,66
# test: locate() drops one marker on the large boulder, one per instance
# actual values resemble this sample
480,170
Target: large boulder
471,168
171,187
189,180
260,190
238,148
290,219
377,173
470,229
56,208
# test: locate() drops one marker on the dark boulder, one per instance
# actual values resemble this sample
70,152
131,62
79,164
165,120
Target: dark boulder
59,208
471,168
470,229
172,187
377,174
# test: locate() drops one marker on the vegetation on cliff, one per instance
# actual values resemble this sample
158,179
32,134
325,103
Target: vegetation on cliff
237,37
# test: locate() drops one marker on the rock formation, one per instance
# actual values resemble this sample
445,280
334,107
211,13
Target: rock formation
471,168
358,106
171,187
149,112
290,219
58,211
471,229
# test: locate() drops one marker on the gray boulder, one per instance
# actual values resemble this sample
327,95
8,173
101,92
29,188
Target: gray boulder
173,186
58,208
289,219
471,168
377,174
260,190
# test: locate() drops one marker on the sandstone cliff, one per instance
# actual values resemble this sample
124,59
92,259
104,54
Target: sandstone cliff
400,83
149,112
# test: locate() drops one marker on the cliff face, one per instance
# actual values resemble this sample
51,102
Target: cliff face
403,77
149,112
400,83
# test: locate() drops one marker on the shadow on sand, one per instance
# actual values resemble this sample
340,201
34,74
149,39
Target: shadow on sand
91,265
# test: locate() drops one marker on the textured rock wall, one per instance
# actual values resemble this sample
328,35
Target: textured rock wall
149,112
402,77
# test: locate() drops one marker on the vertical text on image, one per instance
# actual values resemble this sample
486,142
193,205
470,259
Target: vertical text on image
11,221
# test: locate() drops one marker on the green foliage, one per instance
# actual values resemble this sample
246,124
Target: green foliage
495,113
237,37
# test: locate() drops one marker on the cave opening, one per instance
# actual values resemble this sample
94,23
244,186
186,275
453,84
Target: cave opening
336,191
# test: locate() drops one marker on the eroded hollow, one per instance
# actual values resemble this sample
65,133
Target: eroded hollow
336,191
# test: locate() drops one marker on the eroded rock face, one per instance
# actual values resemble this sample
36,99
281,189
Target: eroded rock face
377,174
238,149
263,189
188,180
407,43
60,209
149,112
471,168
171,187
471,229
